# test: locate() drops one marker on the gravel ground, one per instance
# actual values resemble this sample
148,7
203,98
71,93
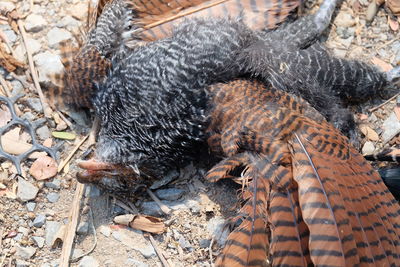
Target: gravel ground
32,211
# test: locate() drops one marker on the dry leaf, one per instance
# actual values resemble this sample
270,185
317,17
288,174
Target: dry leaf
148,224
12,144
369,132
381,64
5,115
43,168
142,222
64,135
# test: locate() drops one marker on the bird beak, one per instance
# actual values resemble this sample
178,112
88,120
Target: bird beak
94,170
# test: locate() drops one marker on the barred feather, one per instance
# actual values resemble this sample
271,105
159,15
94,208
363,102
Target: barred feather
325,205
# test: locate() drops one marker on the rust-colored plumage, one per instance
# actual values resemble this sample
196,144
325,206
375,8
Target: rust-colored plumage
311,198
87,64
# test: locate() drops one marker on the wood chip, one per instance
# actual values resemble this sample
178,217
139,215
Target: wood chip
12,144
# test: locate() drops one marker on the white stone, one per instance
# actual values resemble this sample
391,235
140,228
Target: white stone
34,23
25,253
88,261
368,148
391,127
47,64
7,6
26,190
57,35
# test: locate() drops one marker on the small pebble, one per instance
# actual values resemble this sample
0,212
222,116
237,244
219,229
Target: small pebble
34,23
146,251
52,228
216,227
170,193
35,104
26,190
105,230
77,252
39,220
39,241
57,35
21,263
30,206
43,132
55,184
88,261
184,243
23,230
25,253
53,197
136,263
204,243
391,127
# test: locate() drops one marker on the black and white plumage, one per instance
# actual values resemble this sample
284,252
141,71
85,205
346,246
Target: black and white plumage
152,104
292,59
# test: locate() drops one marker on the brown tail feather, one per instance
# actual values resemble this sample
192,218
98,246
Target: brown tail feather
247,244
325,204
258,14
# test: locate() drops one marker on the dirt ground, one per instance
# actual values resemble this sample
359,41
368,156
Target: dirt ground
32,211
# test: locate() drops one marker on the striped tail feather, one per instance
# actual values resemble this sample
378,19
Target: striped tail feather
350,215
247,244
289,241
257,14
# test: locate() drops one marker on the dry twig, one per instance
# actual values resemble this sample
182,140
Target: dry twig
46,109
162,206
384,103
7,42
65,161
387,43
210,251
159,252
64,119
71,227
